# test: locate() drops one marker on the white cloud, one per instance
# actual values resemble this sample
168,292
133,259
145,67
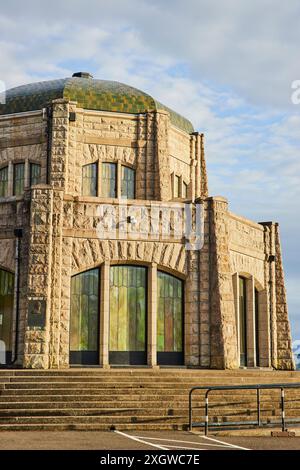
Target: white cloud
227,68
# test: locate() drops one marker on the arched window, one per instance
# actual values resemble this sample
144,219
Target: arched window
169,319
84,323
6,310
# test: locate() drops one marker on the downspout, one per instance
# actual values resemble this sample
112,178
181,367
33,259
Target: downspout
49,142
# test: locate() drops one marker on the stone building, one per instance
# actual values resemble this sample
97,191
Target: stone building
97,181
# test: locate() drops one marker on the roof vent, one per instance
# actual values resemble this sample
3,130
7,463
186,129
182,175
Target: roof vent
82,75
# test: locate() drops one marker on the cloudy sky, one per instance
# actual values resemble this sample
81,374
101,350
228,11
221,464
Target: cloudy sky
227,66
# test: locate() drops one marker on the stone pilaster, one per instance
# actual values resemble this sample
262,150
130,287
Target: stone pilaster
59,143
162,170
222,314
141,174
150,152
152,316
284,340
269,242
57,325
104,316
39,246
204,179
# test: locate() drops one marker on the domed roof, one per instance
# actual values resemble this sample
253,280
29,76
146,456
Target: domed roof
101,95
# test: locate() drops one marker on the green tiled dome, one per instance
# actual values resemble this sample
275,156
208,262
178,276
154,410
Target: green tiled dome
101,95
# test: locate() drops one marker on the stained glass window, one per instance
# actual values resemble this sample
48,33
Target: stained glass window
109,180
128,183
170,313
84,324
4,182
243,321
6,307
89,179
19,170
35,174
128,308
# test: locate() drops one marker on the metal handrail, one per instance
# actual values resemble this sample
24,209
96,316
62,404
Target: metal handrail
257,387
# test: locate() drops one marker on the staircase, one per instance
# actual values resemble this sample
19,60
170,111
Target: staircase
134,399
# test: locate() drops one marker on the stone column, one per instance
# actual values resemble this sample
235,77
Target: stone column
104,316
152,316
222,314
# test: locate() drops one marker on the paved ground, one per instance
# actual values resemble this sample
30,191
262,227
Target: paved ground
139,440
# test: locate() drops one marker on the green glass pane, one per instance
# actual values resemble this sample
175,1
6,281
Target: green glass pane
169,314
127,308
19,171
113,320
35,174
4,182
109,180
141,319
128,183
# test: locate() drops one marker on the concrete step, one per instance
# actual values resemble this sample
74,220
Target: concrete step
95,427
136,404
148,370
142,412
92,419
164,378
146,399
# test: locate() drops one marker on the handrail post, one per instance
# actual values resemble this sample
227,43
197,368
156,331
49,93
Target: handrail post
258,405
206,413
282,410
190,411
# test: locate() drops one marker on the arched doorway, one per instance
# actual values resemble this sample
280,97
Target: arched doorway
243,321
256,327
169,319
127,315
6,314
84,321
